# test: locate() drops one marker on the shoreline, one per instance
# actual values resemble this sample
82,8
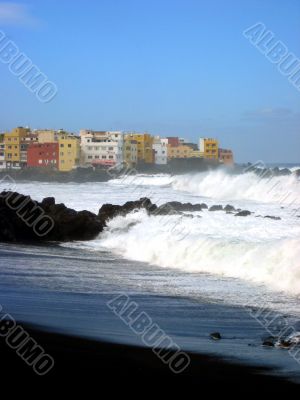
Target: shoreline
87,359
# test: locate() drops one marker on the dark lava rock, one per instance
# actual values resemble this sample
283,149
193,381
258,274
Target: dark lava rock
243,213
215,336
229,208
269,341
23,219
216,208
109,211
177,206
48,202
203,206
272,217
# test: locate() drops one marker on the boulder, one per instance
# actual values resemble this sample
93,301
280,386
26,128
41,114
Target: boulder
215,336
177,206
243,213
229,208
109,211
272,217
23,219
216,208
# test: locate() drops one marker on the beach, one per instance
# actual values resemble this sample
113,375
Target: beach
62,291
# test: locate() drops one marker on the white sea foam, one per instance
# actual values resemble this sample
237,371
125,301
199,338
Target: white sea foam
254,249
247,248
248,186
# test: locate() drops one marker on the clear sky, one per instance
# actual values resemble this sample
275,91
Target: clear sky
169,67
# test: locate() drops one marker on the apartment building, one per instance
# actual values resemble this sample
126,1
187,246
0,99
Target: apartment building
25,142
12,143
69,151
144,146
180,151
160,147
101,147
226,156
2,152
130,152
209,147
43,155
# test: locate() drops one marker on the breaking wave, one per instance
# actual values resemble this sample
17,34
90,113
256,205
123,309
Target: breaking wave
248,186
241,252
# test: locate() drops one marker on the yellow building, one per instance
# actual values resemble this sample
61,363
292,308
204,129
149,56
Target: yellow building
209,147
144,146
12,144
46,135
130,151
197,154
69,151
180,151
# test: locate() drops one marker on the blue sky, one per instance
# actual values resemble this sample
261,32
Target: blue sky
169,67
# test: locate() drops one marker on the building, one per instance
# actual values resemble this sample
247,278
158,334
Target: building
2,152
101,147
197,154
130,151
226,156
12,142
194,146
69,151
43,155
209,147
25,142
46,135
173,141
144,146
180,151
160,147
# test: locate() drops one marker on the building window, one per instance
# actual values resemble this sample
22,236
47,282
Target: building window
69,145
103,157
90,157
62,145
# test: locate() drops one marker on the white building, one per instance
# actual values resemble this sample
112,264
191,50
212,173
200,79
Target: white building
2,153
160,147
101,147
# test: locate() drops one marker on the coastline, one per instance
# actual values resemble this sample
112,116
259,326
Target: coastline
88,360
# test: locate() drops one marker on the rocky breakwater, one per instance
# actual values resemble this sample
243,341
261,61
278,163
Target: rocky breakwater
25,220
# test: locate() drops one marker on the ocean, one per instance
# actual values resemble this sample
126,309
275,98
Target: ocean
193,273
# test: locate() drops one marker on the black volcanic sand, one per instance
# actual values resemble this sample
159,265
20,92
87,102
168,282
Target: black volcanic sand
80,361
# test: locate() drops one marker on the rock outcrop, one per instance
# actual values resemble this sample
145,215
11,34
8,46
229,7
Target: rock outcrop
216,208
243,213
23,219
